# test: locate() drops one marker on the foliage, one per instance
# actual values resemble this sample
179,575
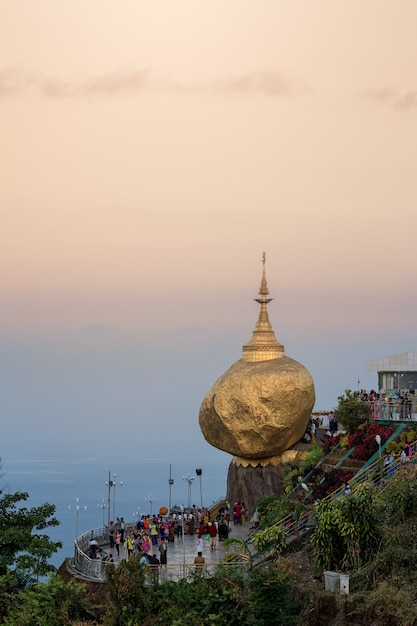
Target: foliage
312,458
351,410
411,436
364,441
270,599
347,530
128,599
362,438
306,465
392,566
272,508
24,548
54,603
331,481
240,545
331,443
230,596
212,601
399,497
344,442
272,539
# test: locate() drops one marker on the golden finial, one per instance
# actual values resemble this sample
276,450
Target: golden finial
263,345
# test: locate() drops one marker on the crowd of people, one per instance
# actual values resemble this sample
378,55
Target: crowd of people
147,541
396,405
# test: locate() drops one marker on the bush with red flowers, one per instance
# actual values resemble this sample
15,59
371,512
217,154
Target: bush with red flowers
364,442
330,444
332,481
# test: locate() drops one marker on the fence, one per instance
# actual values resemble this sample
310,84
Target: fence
96,569
392,409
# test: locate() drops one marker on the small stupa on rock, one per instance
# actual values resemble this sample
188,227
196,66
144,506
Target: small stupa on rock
261,405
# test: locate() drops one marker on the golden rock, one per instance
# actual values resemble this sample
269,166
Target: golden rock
262,404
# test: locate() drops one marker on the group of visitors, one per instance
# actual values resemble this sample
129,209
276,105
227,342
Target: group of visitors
396,405
148,540
310,435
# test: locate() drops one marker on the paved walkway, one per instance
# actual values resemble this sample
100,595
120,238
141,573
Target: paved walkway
183,551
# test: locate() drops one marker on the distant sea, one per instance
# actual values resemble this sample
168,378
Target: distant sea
61,482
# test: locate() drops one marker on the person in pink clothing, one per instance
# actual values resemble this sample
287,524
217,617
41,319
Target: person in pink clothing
118,540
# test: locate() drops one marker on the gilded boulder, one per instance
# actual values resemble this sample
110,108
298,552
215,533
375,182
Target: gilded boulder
258,409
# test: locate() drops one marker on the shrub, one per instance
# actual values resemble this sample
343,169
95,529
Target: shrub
54,603
364,441
411,436
332,481
330,444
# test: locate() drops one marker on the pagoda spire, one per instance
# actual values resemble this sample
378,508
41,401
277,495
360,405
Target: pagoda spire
263,345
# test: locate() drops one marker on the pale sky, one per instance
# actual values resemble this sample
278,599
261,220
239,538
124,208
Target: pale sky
151,151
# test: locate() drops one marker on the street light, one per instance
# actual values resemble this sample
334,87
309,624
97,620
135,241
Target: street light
103,507
170,483
112,483
199,473
136,514
189,479
151,499
77,508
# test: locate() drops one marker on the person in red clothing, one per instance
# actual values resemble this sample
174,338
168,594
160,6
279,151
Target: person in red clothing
238,509
212,529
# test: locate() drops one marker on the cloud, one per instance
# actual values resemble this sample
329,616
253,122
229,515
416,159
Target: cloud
271,83
106,84
389,97
376,96
408,101
268,83
13,81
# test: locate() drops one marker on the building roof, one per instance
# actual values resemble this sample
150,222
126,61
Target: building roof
405,362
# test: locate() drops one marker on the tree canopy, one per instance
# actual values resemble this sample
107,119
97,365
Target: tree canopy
351,410
24,546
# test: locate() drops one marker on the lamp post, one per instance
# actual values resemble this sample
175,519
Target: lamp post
189,480
151,499
136,514
77,508
103,507
170,483
199,473
112,483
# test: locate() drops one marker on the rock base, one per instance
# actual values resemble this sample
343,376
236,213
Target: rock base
249,484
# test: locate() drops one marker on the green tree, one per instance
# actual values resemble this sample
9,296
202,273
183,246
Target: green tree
270,600
128,597
24,547
347,530
351,410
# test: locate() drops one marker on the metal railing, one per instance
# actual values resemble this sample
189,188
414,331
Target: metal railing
376,473
96,569
392,410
